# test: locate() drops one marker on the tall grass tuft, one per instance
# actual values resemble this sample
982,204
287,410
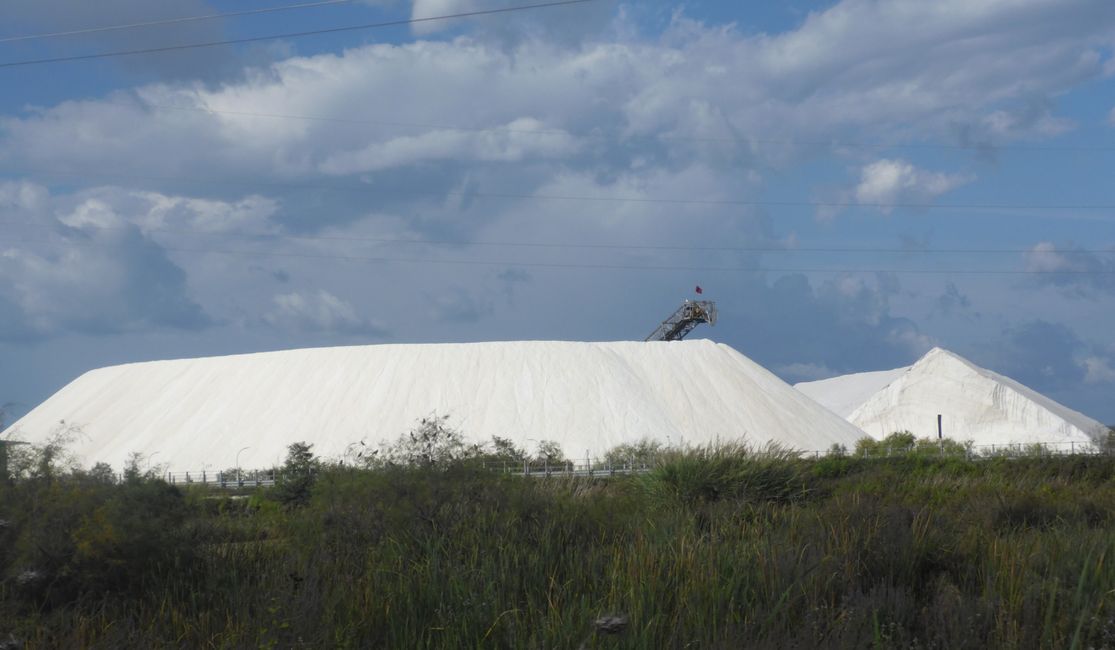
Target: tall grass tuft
726,471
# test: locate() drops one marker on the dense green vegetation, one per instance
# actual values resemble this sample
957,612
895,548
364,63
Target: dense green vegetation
714,548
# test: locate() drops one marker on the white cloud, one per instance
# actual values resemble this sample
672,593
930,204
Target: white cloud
319,311
1044,257
1098,370
701,111
427,8
163,215
886,183
522,139
21,196
698,92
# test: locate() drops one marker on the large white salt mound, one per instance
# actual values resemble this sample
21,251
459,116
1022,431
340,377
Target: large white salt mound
589,397
975,404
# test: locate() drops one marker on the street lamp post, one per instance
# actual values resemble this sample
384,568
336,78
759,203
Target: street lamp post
526,463
239,481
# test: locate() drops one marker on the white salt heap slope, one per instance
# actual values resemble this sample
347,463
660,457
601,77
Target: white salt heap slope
589,397
975,404
843,395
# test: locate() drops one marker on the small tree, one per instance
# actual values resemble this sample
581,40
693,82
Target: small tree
550,452
642,452
298,475
102,473
503,449
433,443
897,443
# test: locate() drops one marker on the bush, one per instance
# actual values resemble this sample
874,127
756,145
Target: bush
727,471
903,442
642,453
550,453
297,476
74,537
433,443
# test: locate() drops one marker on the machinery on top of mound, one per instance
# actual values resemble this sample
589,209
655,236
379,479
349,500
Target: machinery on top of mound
680,323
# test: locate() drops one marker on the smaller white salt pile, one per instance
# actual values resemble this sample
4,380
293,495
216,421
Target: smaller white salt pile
974,403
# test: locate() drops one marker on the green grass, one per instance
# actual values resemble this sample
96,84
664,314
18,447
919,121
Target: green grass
715,548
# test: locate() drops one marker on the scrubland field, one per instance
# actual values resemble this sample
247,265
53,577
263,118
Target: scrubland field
713,548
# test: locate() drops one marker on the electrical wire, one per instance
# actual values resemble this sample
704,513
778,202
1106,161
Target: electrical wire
600,246
663,136
288,35
174,21
1025,207
593,266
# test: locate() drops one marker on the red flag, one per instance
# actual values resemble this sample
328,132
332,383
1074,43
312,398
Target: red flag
699,289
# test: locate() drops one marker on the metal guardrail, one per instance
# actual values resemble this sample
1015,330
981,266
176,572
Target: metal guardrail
589,468
224,480
268,478
980,452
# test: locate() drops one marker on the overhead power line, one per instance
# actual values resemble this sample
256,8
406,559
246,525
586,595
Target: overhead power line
574,198
592,266
288,35
174,21
587,246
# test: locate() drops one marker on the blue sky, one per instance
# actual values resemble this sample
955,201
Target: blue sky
853,182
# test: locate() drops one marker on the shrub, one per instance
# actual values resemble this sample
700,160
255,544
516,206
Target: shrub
899,442
76,537
550,452
644,452
727,471
433,443
903,442
297,476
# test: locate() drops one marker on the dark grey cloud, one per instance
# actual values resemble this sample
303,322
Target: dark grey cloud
75,275
1073,270
1041,355
512,278
152,290
834,327
458,305
96,283
13,324
952,302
